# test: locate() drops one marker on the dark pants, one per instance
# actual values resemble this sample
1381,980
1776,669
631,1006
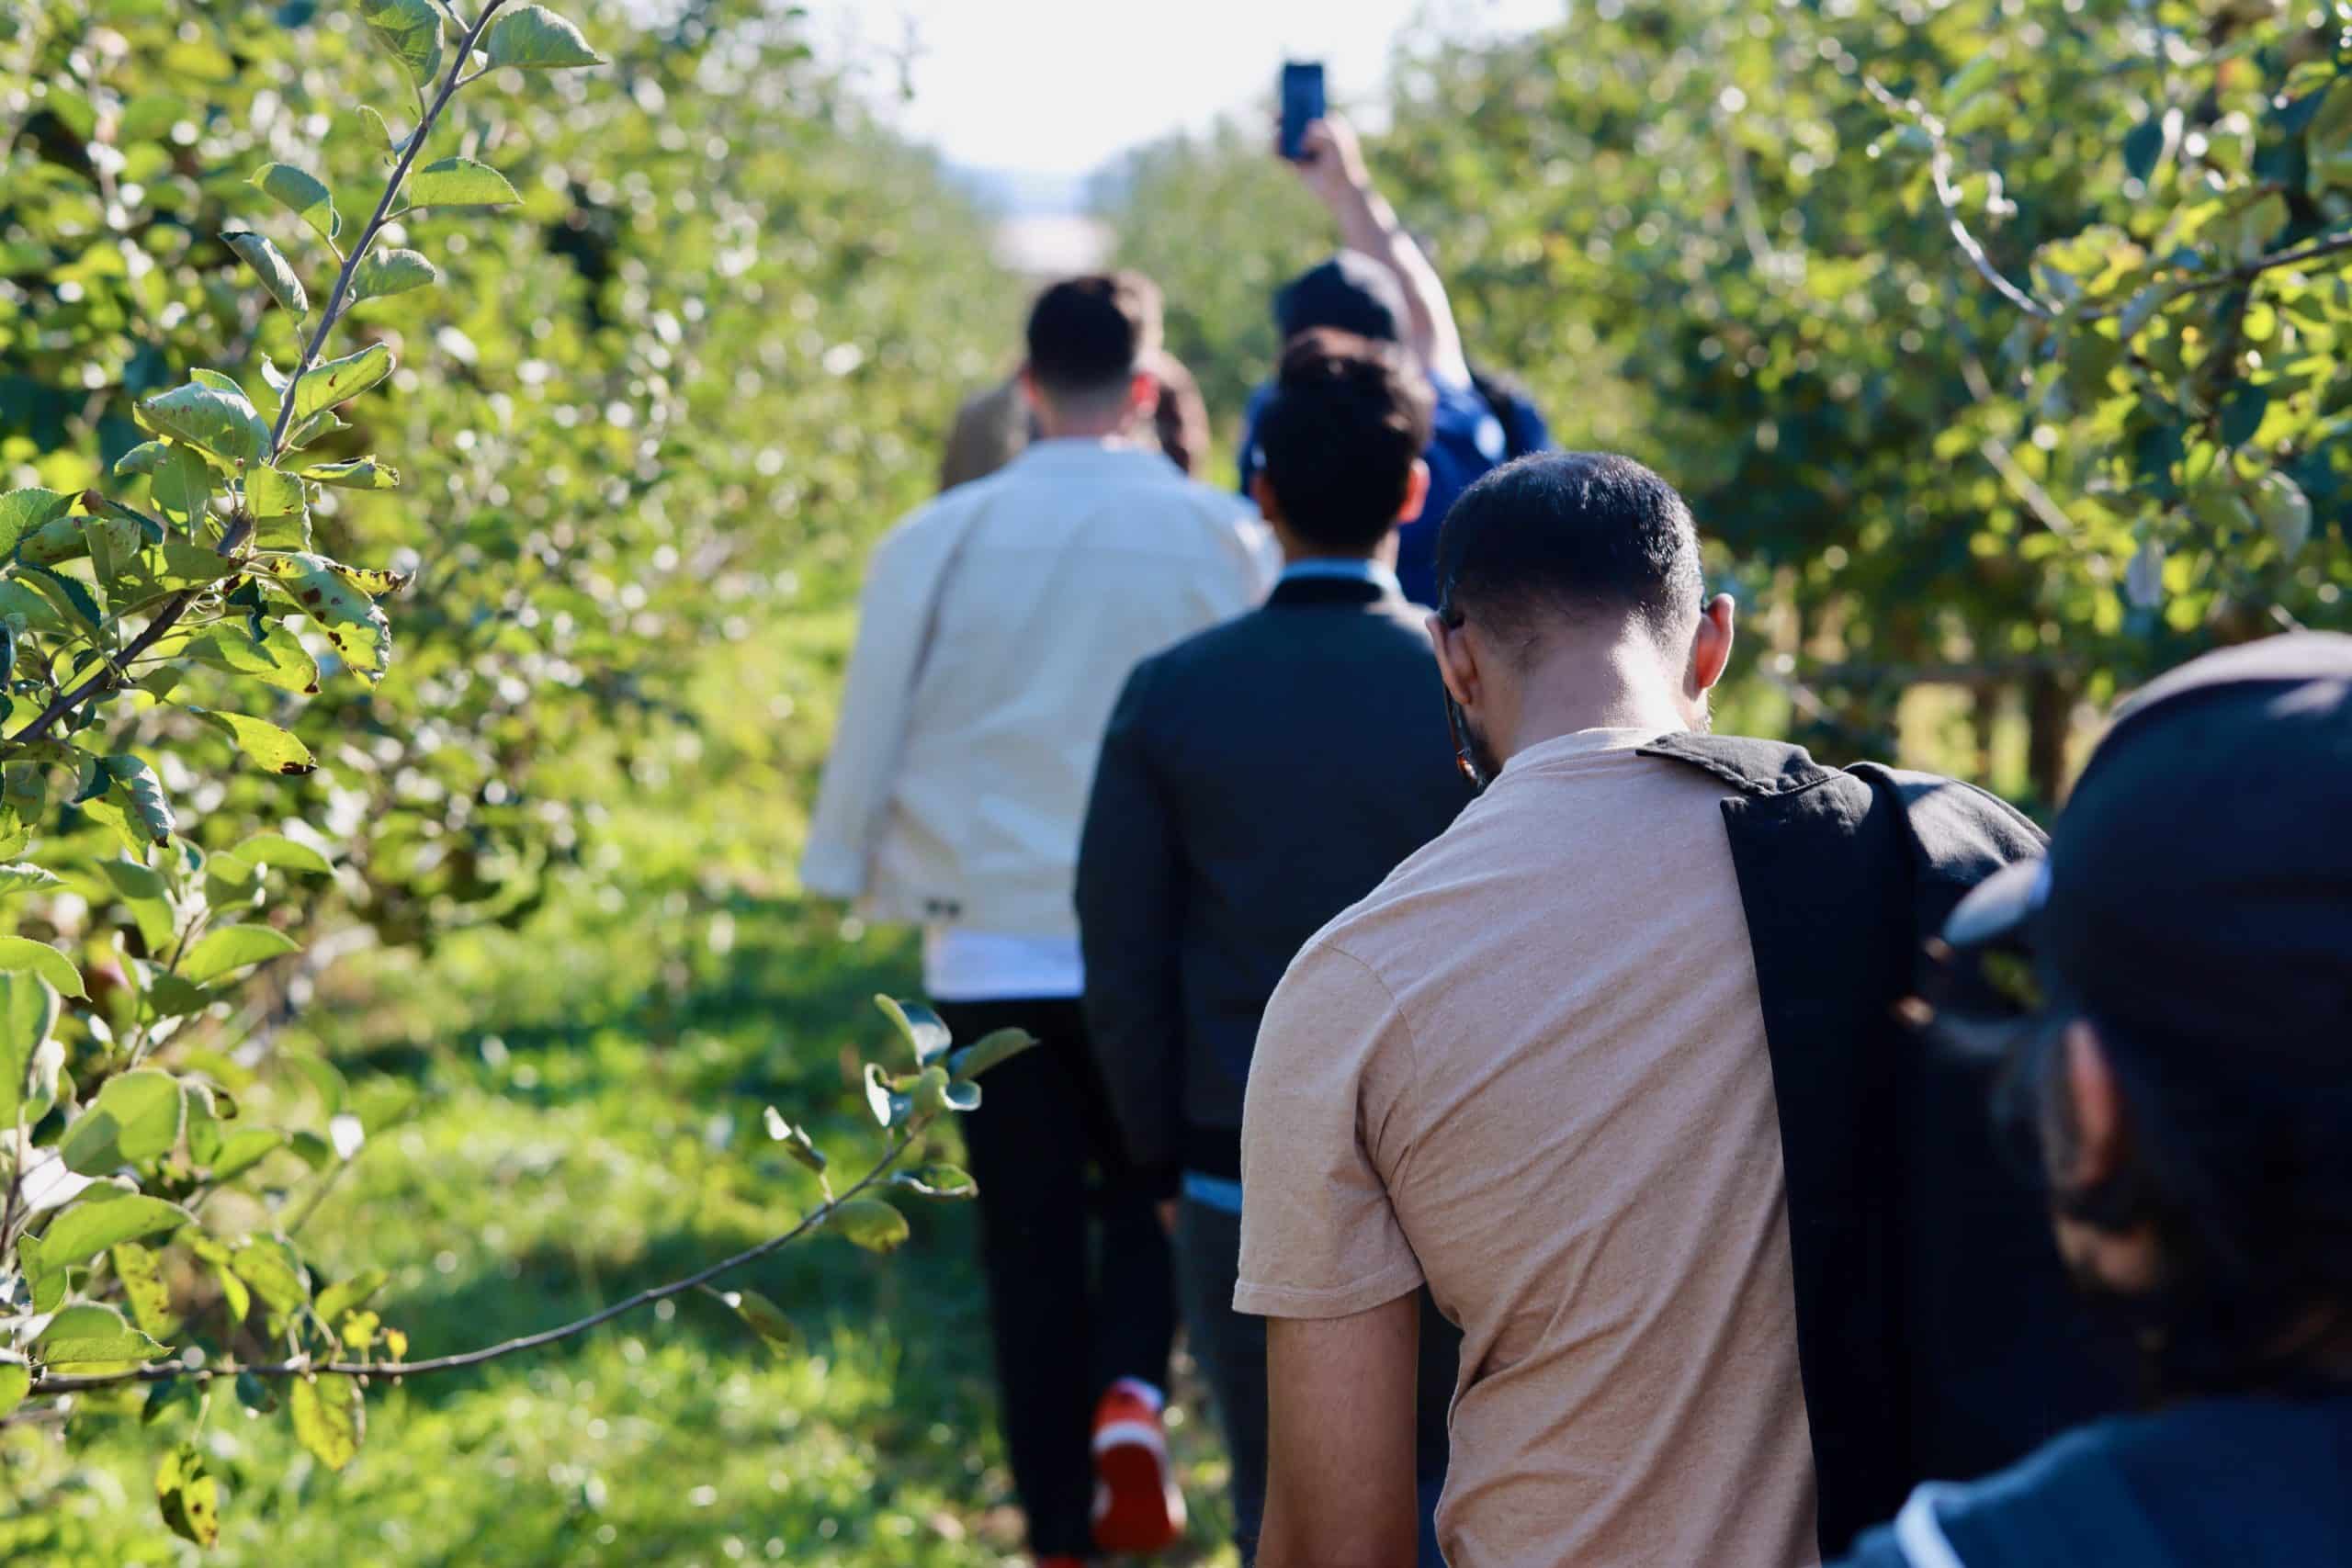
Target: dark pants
1231,1349
1081,1287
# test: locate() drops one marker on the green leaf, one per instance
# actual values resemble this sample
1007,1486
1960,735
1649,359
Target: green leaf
143,1288
23,876
29,1059
2145,144
536,39
360,473
96,1223
989,1050
135,1116
411,30
938,1181
767,1320
459,182
330,1418
181,487
277,849
270,492
23,511
256,1394
922,1027
889,1107
870,1223
278,660
348,616
187,1495
142,794
302,194
207,417
62,540
226,949
383,273
394,145
16,1381
355,1291
338,381
243,1149
89,1336
279,750
2285,512
269,1265
305,431
22,953
270,266
793,1139
140,460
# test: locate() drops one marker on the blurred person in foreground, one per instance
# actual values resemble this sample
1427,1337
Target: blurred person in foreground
991,427
2186,1087
1257,778
1611,1067
995,630
1382,287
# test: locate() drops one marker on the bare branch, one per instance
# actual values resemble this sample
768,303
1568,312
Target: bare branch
1939,165
302,1367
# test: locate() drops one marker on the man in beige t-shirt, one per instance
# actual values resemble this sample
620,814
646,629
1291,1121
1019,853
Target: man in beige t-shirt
1531,1070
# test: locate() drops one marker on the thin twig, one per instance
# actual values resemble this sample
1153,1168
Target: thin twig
299,1367
1940,166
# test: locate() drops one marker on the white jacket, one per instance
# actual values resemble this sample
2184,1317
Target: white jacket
996,629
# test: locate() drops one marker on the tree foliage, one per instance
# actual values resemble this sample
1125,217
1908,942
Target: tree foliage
1998,344
259,323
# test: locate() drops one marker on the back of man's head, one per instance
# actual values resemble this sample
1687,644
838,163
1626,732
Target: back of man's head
1338,440
1349,293
1089,336
1558,539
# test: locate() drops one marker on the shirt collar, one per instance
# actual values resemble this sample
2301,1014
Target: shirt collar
1371,571
1082,454
1577,743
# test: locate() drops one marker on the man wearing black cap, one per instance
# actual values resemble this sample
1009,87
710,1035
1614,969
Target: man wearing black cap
1382,286
2185,1082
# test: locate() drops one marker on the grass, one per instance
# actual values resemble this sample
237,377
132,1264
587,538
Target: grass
562,1115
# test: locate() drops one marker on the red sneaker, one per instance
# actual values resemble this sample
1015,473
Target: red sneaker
1137,1504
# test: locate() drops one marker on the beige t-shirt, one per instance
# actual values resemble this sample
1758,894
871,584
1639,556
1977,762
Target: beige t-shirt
1530,1069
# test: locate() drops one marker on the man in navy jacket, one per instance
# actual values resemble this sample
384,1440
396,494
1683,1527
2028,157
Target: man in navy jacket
1255,780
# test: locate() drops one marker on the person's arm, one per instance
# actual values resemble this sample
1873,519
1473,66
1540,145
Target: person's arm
1340,1491
892,627
1332,164
1130,922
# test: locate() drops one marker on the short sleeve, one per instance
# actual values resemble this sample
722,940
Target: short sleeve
1319,1237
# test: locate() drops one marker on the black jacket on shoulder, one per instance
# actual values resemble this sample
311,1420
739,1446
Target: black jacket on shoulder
1936,1332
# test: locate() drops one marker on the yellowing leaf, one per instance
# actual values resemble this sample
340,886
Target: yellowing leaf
339,380
330,1418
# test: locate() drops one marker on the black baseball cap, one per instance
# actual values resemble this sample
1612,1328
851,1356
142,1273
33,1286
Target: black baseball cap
2197,893
1351,292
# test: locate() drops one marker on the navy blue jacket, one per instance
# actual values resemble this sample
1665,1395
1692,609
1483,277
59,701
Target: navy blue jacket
2218,1483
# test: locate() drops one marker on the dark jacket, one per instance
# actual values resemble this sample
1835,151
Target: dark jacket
2218,1483
1255,780
1937,1334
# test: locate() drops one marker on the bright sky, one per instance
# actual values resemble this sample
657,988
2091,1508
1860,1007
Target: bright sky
1059,86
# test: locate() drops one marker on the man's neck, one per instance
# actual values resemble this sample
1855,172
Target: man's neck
1596,685
1297,551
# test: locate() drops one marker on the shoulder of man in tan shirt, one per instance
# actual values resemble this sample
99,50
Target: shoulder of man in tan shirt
1531,1069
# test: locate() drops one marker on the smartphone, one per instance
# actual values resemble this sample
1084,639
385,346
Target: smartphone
1302,104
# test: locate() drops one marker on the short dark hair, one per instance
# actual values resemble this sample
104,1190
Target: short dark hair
1349,293
1088,336
1181,419
1569,533
1339,437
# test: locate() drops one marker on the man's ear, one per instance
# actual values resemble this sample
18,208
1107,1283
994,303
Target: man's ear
1143,394
1457,661
1261,490
1710,645
2095,1102
1417,492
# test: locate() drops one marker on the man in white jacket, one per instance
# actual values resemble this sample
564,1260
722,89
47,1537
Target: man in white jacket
997,628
